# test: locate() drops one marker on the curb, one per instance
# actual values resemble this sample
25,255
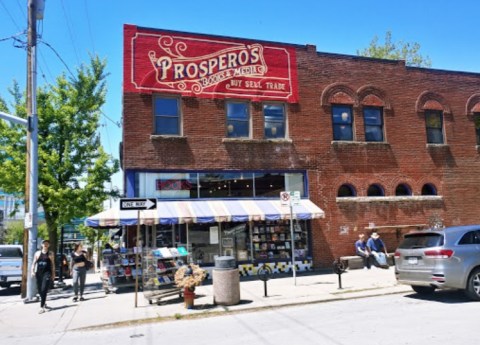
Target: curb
226,311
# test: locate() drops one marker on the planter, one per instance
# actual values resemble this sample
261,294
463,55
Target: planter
189,297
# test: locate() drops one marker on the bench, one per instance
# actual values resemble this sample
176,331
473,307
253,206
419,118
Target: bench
355,261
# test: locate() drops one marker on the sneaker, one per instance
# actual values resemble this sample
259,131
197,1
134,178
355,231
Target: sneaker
41,311
82,299
365,268
75,299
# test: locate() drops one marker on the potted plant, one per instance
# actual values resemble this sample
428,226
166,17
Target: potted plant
188,277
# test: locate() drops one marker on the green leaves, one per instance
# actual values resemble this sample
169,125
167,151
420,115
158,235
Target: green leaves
396,51
73,167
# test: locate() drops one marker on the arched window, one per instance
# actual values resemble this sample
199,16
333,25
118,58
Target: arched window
375,190
403,190
346,190
429,189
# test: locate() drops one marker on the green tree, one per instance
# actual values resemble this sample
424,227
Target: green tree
14,233
396,51
73,167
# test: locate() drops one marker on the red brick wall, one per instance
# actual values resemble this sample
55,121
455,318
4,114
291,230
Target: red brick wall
404,158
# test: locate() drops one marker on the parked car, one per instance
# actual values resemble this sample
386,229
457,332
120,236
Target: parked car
11,257
63,259
447,258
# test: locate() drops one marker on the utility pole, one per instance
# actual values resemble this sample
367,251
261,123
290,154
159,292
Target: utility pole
35,11
32,28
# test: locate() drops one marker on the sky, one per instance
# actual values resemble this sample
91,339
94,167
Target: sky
447,31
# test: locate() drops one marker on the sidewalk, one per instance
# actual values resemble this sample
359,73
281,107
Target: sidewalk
100,309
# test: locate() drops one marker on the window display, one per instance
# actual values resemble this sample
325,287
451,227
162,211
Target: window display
272,240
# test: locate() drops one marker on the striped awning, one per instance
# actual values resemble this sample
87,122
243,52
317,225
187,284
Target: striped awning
207,211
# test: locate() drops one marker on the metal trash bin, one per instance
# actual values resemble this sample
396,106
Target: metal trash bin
226,281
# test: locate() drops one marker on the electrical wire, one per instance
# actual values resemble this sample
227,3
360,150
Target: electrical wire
89,25
11,17
70,31
59,57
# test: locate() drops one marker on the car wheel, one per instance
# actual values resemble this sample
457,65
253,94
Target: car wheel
423,290
473,285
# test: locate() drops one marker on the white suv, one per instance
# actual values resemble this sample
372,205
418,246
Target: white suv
11,257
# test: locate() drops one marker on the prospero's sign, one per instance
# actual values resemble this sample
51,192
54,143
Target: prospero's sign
206,66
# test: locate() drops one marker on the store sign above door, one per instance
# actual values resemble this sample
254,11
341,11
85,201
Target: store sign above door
138,204
208,66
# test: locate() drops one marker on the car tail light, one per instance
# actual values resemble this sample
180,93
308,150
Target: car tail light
438,253
397,254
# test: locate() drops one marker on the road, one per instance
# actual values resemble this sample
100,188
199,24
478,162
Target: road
447,317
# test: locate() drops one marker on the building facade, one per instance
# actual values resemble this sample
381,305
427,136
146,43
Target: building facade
373,143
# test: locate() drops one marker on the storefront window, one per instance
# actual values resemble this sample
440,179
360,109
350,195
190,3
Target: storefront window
272,240
217,184
167,185
226,185
268,240
204,242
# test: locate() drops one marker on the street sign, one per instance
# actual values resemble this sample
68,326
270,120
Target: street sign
138,204
28,221
285,198
296,198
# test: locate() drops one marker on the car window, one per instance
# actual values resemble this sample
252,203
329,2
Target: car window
471,237
421,240
10,253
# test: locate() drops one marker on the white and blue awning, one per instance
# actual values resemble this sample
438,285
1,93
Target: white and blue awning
207,211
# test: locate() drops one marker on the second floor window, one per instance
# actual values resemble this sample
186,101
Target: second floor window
167,115
274,116
342,122
238,120
434,125
373,120
476,119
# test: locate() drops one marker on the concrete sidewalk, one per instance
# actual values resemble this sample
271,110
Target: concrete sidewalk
101,310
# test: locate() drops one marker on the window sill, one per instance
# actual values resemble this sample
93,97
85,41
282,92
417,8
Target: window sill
158,137
433,146
392,199
359,143
256,141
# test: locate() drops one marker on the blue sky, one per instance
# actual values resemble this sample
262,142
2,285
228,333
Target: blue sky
448,32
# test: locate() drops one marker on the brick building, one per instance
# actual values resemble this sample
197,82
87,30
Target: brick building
373,143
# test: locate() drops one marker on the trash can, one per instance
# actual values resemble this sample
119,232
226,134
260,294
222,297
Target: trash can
226,281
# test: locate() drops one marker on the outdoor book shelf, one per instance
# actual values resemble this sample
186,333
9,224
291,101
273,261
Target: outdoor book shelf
160,265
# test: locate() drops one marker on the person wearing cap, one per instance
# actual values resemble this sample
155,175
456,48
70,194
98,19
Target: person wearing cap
43,269
377,248
361,249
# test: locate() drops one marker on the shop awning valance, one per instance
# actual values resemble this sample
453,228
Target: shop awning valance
207,211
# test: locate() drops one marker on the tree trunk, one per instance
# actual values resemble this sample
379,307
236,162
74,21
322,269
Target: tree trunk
52,229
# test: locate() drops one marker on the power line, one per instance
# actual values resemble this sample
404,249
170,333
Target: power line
70,31
22,9
58,55
89,25
11,17
115,123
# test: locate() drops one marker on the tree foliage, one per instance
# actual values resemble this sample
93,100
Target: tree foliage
410,52
72,165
